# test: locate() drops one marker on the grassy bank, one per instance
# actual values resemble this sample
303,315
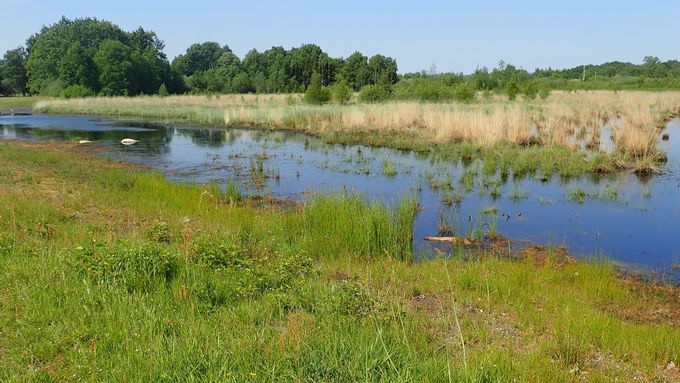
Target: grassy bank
110,273
565,132
19,102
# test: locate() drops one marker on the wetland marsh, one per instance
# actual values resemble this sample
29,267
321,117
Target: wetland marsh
625,217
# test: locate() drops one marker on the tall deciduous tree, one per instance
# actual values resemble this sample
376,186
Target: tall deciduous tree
115,68
383,70
78,68
201,57
62,55
13,68
355,70
47,48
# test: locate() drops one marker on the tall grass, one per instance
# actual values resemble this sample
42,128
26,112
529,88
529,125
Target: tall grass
347,223
559,120
19,102
562,130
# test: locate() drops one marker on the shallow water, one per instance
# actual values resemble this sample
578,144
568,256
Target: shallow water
635,222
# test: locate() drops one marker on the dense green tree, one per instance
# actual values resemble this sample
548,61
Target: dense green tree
49,46
210,68
242,83
78,68
150,64
482,80
113,61
355,71
13,72
198,82
200,57
382,70
62,55
278,69
304,62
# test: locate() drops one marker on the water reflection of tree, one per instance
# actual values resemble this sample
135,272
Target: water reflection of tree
212,138
152,140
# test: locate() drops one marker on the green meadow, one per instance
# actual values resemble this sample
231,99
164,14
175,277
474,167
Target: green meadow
110,273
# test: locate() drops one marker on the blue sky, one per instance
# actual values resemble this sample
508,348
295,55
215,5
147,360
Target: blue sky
454,35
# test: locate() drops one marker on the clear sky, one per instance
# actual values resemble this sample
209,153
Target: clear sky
454,35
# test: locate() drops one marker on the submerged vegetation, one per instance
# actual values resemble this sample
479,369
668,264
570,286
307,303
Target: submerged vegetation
110,273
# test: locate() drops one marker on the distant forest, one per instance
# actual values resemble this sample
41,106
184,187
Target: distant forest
87,57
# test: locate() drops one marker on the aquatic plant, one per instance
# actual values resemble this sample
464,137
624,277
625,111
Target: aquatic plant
389,168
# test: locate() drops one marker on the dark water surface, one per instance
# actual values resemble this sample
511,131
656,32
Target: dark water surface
633,221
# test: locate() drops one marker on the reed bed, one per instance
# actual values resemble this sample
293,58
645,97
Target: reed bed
570,119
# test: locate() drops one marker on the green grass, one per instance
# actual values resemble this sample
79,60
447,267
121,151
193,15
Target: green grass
389,168
18,102
110,274
608,193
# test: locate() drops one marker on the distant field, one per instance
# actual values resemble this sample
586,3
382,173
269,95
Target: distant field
566,121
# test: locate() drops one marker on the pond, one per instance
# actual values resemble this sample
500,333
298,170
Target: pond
633,221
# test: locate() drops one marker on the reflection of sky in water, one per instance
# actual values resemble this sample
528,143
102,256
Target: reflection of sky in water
640,227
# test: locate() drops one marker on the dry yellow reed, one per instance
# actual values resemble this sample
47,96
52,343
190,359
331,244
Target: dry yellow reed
573,119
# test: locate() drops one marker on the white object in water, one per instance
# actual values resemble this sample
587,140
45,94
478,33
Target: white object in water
128,141
83,142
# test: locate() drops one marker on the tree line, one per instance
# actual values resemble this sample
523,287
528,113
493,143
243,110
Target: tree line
87,56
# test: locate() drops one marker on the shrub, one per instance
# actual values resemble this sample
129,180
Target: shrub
76,91
375,93
52,88
163,90
465,92
341,92
529,89
512,89
316,94
431,91
544,93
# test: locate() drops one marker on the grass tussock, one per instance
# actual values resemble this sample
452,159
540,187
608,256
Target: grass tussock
112,274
